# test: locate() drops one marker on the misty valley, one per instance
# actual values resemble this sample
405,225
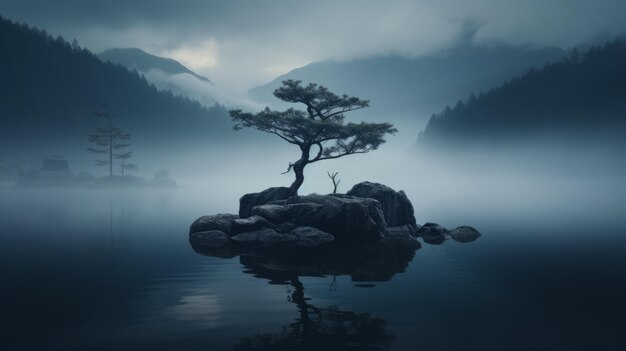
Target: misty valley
170,181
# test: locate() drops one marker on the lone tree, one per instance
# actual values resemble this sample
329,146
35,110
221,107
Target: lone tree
320,132
107,140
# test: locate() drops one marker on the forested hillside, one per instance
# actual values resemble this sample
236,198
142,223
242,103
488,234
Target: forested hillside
50,89
579,97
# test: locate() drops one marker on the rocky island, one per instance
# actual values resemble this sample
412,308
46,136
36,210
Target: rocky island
369,212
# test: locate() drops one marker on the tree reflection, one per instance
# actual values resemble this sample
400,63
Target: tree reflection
322,327
319,328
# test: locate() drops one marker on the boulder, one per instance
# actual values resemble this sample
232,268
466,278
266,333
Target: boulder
213,238
397,208
248,201
340,215
433,233
310,236
402,235
221,222
464,234
263,236
400,232
249,224
284,213
430,228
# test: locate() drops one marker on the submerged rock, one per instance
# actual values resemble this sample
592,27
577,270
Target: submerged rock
222,222
213,238
464,234
396,206
248,201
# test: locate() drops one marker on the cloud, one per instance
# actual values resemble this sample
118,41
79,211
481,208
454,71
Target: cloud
202,56
242,43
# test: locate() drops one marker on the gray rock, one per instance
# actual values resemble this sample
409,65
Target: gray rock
432,229
433,233
400,232
222,222
248,201
403,235
340,215
263,236
213,238
285,227
249,224
464,234
284,213
396,207
310,236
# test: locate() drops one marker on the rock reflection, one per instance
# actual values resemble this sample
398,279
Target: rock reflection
364,262
322,327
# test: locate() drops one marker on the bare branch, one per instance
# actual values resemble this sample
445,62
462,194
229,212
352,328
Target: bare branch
288,169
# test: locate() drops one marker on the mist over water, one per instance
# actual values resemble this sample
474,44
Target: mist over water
101,268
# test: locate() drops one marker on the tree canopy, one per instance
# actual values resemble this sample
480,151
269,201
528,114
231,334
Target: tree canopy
320,132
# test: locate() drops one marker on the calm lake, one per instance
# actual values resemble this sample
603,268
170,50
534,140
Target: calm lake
114,270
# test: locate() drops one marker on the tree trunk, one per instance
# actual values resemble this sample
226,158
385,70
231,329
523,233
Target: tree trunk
298,169
110,148
123,161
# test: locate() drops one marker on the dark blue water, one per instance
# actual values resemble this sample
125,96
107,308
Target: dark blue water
97,270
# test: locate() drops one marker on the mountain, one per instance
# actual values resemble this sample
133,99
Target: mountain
411,89
142,61
584,93
50,89
569,116
165,74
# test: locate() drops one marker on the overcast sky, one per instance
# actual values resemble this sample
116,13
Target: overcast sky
240,44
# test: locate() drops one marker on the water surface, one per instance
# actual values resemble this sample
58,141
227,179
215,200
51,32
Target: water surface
96,269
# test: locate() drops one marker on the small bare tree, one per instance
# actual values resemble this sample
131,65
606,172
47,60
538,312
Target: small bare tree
333,177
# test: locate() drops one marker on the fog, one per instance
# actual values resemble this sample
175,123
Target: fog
455,189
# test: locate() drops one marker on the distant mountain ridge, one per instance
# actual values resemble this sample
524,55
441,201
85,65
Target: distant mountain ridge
139,60
414,88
